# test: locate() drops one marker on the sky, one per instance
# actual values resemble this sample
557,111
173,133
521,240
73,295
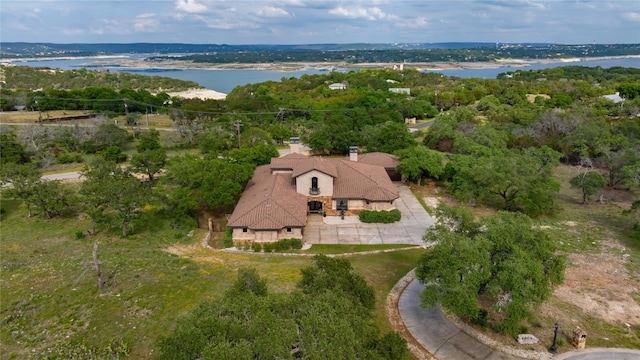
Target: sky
320,21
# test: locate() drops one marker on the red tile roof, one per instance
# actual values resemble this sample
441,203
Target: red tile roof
270,200
363,181
388,161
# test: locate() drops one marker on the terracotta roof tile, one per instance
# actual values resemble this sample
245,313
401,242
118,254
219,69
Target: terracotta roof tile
363,181
269,202
324,165
388,161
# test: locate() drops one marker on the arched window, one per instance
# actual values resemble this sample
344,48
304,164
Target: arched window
314,186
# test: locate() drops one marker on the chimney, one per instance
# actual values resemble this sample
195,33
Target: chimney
294,145
353,153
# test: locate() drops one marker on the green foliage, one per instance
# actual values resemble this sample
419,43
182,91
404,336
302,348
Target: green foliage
11,151
106,135
249,322
92,84
337,276
589,183
212,183
268,247
382,216
51,198
629,91
248,281
117,348
502,259
259,154
148,140
287,244
256,247
227,238
112,196
69,158
418,162
149,162
389,138
392,346
114,154
510,180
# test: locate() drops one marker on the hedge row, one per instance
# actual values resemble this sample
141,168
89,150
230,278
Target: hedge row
278,246
382,216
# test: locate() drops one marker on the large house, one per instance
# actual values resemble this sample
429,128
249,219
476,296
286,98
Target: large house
277,200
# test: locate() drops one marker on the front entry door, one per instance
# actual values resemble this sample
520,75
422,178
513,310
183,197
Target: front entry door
315,207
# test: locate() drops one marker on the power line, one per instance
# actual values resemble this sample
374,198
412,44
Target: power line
167,108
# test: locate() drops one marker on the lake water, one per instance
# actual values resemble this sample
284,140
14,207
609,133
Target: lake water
225,80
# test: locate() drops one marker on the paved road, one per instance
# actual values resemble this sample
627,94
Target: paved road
436,334
409,230
600,354
73,175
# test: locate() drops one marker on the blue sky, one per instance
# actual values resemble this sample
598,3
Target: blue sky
320,21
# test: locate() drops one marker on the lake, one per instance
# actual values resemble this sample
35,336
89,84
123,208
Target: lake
225,80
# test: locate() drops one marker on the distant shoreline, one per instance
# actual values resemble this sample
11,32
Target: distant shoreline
175,64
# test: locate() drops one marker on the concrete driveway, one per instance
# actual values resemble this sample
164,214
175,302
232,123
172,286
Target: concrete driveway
409,230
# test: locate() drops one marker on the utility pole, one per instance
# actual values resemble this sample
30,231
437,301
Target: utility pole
237,125
39,111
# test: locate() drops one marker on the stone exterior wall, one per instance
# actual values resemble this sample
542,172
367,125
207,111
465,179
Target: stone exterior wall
262,236
379,205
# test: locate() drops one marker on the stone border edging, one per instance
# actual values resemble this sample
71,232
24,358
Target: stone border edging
205,243
394,318
507,349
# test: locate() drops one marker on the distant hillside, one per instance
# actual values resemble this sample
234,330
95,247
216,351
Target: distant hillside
32,78
11,50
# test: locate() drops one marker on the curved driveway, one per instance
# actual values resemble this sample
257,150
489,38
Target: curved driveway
437,335
445,341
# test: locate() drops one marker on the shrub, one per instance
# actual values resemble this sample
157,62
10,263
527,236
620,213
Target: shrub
268,247
69,158
115,154
392,346
257,247
383,216
227,238
296,243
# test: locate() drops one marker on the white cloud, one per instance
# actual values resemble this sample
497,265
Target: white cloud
190,6
417,23
146,23
633,16
273,12
374,13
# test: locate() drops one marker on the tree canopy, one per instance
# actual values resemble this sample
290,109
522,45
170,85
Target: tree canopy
502,259
327,317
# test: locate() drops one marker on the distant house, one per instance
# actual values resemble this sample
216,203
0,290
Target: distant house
338,86
406,91
277,200
616,98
